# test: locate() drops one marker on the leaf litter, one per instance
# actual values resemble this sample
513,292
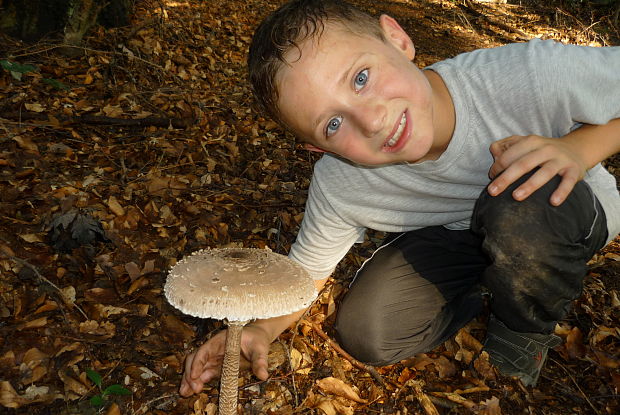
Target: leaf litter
146,147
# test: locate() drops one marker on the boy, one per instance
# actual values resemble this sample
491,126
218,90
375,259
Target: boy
410,152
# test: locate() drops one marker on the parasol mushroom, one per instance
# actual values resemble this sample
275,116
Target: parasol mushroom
237,285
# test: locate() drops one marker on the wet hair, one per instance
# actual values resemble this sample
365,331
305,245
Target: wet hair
285,29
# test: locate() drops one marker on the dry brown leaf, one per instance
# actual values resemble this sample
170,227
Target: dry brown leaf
115,206
112,111
277,357
296,358
9,398
445,367
490,407
31,237
72,384
133,270
610,362
137,284
25,143
176,330
574,344
8,359
105,311
36,107
337,387
104,329
6,251
113,409
33,324
484,367
466,340
326,405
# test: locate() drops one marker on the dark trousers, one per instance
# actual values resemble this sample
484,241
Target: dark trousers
420,287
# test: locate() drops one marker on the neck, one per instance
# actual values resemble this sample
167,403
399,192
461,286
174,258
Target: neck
444,117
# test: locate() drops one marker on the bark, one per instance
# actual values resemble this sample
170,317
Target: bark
69,20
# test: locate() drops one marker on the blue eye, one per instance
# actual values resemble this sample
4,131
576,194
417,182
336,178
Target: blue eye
333,125
361,79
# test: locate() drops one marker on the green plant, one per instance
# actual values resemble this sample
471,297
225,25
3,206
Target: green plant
100,399
17,70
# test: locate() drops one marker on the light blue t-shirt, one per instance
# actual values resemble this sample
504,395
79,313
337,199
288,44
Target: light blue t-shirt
539,87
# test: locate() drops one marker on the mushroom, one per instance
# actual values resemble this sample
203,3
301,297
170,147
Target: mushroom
237,285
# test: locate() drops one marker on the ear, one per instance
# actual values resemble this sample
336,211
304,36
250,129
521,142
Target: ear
397,36
312,147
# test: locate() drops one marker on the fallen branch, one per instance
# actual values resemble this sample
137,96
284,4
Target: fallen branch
51,284
101,120
456,398
423,399
373,372
479,15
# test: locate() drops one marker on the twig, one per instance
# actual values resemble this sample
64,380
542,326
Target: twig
290,363
422,398
454,397
105,52
42,278
373,372
101,120
576,385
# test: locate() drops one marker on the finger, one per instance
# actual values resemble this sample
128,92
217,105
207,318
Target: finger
534,182
520,167
505,152
189,388
259,362
564,188
199,361
189,385
500,146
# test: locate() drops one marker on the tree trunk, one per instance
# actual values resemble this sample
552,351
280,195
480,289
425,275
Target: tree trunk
66,20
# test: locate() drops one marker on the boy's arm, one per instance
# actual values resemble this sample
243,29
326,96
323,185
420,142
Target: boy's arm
205,364
570,157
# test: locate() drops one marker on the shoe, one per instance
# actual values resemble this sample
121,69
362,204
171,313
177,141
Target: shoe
515,354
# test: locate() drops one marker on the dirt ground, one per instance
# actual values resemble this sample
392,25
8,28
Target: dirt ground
116,163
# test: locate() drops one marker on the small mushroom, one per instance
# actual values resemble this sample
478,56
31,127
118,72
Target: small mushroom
237,285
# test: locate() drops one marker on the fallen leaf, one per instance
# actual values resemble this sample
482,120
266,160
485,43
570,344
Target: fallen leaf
133,270
26,143
115,206
490,407
574,344
9,397
71,384
337,387
31,237
112,110
36,107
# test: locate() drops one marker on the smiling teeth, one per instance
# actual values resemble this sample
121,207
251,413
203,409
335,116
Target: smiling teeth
398,132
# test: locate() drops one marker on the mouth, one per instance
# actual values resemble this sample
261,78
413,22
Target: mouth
394,141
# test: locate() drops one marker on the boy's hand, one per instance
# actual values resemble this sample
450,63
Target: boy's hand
517,155
206,363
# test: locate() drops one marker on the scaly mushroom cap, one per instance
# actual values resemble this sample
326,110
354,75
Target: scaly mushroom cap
238,284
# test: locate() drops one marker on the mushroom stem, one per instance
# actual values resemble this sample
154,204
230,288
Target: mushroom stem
230,369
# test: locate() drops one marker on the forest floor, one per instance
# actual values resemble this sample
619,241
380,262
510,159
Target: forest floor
145,145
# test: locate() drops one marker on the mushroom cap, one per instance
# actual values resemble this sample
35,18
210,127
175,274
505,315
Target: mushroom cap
238,284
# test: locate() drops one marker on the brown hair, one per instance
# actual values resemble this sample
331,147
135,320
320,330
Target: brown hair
286,28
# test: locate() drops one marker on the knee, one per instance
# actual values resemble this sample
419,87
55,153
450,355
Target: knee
535,218
378,327
376,341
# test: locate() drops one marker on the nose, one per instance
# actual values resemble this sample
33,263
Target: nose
371,117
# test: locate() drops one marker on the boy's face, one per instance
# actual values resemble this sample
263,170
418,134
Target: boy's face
359,97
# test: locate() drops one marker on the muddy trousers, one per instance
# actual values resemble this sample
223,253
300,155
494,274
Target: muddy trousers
420,287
